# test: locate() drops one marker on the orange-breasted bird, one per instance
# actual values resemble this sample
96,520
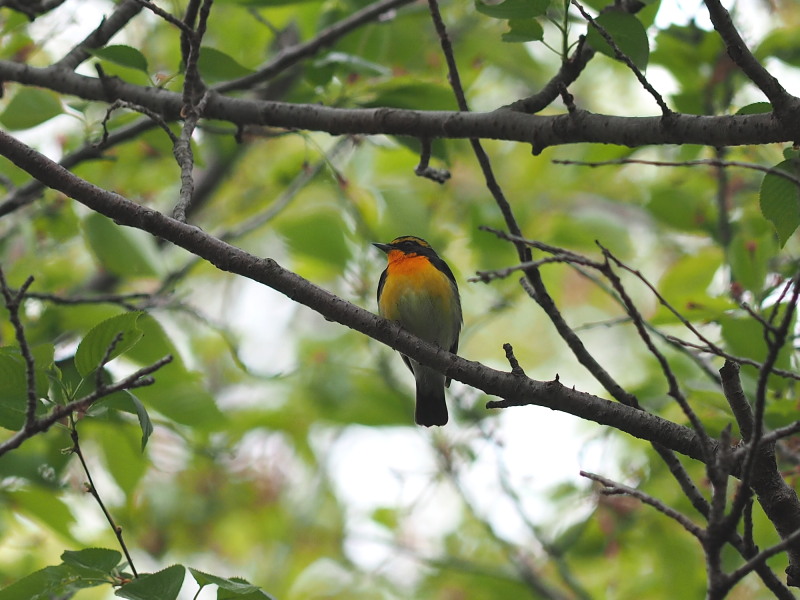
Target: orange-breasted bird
418,290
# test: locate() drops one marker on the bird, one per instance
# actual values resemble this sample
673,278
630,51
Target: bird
419,291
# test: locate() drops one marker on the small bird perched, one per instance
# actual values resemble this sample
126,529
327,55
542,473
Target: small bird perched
418,290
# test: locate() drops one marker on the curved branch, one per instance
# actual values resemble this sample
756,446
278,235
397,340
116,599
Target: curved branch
780,503
784,103
502,124
516,391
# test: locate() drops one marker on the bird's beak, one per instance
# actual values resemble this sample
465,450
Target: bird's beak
385,247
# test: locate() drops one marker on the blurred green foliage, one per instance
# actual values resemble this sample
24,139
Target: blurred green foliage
231,465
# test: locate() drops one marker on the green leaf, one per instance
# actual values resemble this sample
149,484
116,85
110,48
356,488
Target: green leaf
144,419
523,30
236,587
353,63
744,336
782,44
628,34
180,394
94,346
685,286
216,66
318,235
13,390
749,257
121,449
163,585
124,56
48,583
122,250
30,107
184,399
513,9
130,403
681,205
226,593
779,199
92,561
14,382
41,505
756,108
406,92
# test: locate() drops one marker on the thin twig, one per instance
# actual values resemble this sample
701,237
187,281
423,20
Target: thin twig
638,321
665,110
775,347
168,17
612,487
742,360
122,300
13,303
154,116
780,433
92,489
705,162
762,557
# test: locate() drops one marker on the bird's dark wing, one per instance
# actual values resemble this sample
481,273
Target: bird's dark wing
444,268
381,283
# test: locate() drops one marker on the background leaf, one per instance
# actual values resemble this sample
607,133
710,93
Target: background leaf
628,34
124,56
121,250
30,107
780,200
164,585
513,9
94,346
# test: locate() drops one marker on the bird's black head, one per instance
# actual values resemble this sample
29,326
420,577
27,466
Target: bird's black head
407,244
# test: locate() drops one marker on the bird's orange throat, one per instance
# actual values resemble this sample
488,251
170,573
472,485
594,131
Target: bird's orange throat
401,263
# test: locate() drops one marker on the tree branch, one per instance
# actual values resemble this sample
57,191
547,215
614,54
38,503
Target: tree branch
784,104
537,130
517,391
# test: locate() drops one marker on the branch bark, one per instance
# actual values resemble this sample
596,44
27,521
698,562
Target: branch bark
502,124
516,391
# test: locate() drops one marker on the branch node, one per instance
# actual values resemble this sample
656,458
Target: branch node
567,98
423,169
516,369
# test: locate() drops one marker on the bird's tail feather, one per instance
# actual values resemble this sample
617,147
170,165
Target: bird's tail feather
431,407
